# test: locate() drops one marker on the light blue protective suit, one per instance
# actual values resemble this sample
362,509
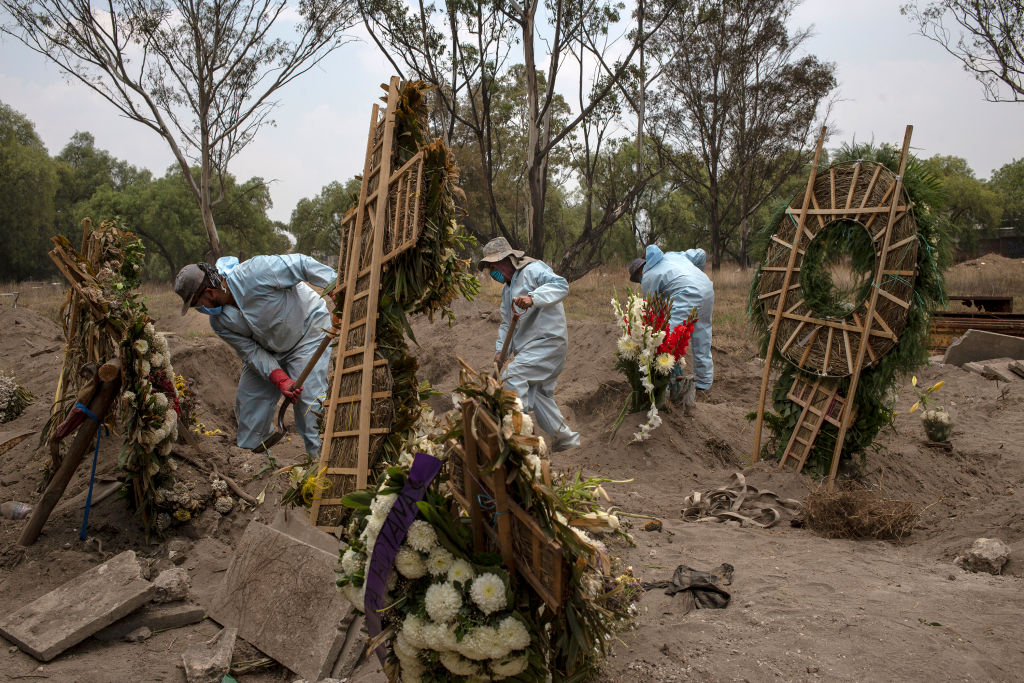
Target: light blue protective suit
539,347
680,276
277,322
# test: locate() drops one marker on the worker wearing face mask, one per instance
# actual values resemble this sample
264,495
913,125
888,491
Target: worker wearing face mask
274,321
540,340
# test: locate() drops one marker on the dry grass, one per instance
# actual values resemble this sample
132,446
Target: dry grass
989,275
47,298
854,511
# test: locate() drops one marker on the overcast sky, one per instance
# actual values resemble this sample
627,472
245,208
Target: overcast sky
888,77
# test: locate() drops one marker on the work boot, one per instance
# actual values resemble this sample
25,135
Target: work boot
565,439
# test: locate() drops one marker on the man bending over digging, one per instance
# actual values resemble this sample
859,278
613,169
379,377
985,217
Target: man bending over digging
274,321
533,294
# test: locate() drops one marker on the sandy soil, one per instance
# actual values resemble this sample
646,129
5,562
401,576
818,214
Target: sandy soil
803,607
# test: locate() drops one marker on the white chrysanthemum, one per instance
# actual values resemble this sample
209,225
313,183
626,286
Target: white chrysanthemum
413,628
510,667
380,506
143,367
483,643
507,426
421,536
149,329
165,448
128,397
156,359
403,648
442,602
664,363
373,527
352,561
514,633
488,592
409,563
410,675
355,595
160,399
518,403
141,346
527,426
439,561
459,665
160,342
460,571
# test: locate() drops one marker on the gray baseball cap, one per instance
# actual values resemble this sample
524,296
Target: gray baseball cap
190,281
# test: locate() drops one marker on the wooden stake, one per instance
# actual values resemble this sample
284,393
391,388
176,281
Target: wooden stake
865,337
84,440
782,295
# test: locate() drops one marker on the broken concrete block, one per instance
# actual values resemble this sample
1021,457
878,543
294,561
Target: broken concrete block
1017,367
999,371
981,345
155,618
280,593
209,663
172,585
986,555
68,615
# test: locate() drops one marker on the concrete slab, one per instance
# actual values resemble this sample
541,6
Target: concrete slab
1000,371
1017,368
209,663
979,345
84,605
280,593
154,617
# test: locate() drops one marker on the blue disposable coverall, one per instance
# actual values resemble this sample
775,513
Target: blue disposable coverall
539,346
277,322
679,275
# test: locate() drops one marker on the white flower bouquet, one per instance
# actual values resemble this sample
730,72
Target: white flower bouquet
650,353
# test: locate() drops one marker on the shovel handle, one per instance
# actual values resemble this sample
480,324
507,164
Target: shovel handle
508,337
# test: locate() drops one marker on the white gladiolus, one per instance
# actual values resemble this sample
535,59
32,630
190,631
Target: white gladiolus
488,592
442,602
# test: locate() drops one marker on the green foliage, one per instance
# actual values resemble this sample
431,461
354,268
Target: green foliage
28,180
1008,183
873,402
972,209
316,222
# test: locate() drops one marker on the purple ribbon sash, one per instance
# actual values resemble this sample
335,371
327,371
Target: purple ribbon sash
396,526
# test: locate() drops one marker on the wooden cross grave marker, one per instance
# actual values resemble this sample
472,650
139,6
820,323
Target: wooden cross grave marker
385,222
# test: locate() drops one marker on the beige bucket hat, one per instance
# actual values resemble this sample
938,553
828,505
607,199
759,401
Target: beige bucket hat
497,249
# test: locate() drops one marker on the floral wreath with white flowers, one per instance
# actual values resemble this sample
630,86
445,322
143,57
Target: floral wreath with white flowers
453,614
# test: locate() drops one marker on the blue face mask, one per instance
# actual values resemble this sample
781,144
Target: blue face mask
217,310
498,276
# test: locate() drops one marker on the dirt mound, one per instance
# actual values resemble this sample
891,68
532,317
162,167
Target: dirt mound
990,261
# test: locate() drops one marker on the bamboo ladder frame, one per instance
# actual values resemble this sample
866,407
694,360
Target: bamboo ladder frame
869,317
787,278
400,228
377,220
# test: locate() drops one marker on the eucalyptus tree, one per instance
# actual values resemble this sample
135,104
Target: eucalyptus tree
464,48
735,102
987,36
202,74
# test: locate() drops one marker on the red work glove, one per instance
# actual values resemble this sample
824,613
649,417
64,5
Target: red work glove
286,385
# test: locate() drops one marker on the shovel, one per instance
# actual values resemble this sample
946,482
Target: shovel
279,428
503,356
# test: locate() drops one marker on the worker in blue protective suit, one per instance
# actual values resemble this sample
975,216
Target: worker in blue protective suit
274,321
540,342
680,275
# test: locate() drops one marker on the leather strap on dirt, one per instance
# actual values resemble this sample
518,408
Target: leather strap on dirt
739,502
